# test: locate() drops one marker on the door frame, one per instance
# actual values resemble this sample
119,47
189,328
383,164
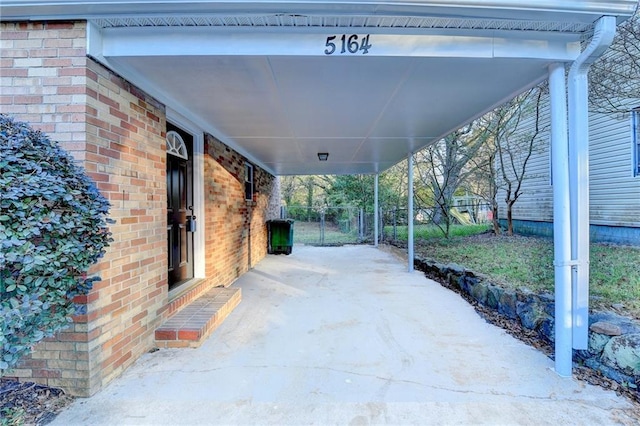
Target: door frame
198,197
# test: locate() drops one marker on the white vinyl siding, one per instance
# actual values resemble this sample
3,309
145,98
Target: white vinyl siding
614,191
636,141
536,201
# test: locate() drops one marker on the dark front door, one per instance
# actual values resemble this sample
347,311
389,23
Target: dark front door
179,201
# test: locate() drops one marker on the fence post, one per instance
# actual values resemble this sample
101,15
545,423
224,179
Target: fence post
322,227
380,219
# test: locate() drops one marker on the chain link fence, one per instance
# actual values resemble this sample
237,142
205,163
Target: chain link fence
394,221
330,226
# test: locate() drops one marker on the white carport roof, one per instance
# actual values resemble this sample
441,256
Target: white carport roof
255,73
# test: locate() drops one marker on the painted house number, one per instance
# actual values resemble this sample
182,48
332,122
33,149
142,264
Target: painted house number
348,44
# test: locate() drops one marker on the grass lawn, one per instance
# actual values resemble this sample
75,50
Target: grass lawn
528,262
310,233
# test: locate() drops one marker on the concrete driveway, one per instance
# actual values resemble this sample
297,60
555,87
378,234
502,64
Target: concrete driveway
346,336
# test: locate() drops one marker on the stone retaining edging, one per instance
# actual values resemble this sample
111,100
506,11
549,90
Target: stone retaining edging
614,340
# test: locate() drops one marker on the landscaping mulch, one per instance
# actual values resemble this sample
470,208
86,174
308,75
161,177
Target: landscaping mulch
26,403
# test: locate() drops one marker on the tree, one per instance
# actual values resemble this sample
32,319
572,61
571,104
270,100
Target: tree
615,77
352,190
53,227
288,187
445,165
515,146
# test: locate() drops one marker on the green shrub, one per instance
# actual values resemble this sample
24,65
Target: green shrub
53,227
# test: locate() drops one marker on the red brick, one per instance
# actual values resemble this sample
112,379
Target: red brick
72,337
108,152
14,35
47,373
14,72
27,99
59,25
71,72
165,334
121,294
71,90
43,53
189,335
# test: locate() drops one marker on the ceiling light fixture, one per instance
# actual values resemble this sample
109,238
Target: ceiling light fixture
323,156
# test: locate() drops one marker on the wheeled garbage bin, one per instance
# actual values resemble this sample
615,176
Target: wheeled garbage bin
280,236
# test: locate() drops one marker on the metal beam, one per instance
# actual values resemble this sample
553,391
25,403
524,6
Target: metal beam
410,247
376,210
334,42
561,220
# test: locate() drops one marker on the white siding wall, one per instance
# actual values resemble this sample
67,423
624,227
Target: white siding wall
536,201
614,191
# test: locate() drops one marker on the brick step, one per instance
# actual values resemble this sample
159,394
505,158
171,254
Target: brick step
195,322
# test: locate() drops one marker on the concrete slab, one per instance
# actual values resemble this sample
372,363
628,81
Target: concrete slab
346,336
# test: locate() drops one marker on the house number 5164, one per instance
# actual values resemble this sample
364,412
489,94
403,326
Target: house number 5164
347,44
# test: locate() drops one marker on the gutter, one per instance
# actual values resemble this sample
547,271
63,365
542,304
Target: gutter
551,10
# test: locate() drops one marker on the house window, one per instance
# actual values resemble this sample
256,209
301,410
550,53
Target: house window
248,181
176,145
635,124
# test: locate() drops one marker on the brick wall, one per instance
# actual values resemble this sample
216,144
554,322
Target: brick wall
125,141
234,225
117,133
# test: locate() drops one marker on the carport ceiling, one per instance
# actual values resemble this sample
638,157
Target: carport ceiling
258,76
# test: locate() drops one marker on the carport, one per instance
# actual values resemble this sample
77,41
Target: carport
368,83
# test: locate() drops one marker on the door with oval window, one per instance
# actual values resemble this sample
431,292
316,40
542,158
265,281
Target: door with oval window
179,205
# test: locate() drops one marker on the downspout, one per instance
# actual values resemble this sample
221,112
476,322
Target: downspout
578,87
410,212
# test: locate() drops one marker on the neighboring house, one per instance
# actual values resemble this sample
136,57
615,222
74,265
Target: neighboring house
614,179
154,168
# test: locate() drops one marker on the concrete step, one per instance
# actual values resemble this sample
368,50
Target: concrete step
195,322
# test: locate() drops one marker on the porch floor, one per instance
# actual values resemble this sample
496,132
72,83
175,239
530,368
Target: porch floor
196,321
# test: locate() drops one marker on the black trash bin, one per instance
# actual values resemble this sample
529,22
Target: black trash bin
280,236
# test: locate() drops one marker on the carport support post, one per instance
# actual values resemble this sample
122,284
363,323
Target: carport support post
376,216
561,220
410,211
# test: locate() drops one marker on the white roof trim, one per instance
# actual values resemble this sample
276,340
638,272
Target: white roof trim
585,11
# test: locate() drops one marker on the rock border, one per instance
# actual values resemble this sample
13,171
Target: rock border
614,340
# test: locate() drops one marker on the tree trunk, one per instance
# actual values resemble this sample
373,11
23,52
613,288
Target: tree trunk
494,219
510,217
309,199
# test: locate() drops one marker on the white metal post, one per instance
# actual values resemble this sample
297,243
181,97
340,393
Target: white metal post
561,220
579,174
376,216
410,211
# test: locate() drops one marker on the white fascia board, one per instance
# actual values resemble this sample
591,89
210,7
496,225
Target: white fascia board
199,41
582,10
